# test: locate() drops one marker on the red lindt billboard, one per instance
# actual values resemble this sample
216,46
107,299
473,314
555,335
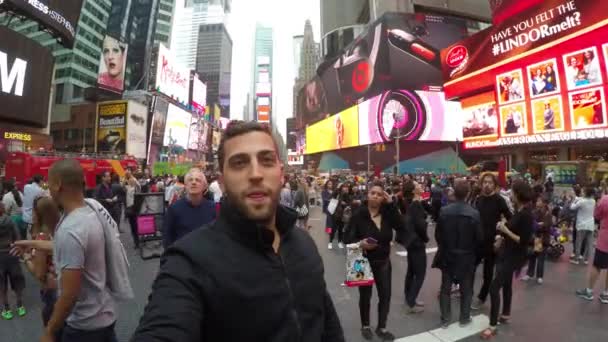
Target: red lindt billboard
543,76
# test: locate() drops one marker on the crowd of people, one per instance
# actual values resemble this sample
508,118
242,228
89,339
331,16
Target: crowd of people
254,271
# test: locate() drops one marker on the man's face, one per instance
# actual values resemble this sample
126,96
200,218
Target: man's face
488,185
252,175
106,178
196,183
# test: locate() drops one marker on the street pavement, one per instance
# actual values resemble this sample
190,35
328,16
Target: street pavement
548,312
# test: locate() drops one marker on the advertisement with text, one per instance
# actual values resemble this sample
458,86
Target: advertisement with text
177,127
172,79
112,127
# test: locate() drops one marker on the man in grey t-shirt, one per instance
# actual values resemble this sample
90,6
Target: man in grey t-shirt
85,310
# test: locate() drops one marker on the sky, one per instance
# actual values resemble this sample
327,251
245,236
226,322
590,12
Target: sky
287,18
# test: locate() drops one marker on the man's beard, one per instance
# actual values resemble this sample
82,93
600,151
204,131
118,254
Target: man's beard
263,216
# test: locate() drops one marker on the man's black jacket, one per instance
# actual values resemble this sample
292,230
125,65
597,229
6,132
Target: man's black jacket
225,283
459,239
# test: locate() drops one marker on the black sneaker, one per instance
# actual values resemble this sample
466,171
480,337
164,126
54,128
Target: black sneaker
466,322
385,335
367,333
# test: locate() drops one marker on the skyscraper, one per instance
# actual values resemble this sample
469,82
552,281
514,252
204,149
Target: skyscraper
262,74
164,22
308,61
76,69
189,16
214,64
133,23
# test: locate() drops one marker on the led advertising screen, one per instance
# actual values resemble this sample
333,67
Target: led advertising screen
159,118
137,119
172,79
410,116
199,94
60,16
336,132
112,65
26,70
177,127
112,127
548,69
385,56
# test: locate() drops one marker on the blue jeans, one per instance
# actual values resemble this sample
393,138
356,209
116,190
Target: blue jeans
69,334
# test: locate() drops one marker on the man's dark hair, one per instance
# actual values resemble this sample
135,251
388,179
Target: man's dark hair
180,179
522,191
589,191
69,172
461,189
376,183
236,129
37,179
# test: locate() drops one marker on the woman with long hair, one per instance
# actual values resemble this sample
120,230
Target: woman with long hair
542,240
301,203
511,247
340,216
326,195
371,229
415,222
13,204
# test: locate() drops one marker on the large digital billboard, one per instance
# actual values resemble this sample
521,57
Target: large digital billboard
137,124
59,16
112,65
386,56
26,70
177,127
395,114
548,71
172,78
199,94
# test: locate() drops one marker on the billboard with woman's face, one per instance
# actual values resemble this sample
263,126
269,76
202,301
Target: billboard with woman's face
112,65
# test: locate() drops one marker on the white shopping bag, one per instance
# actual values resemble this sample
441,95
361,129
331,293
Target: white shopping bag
358,269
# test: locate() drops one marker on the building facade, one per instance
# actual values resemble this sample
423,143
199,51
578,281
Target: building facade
164,22
307,61
262,74
189,16
214,64
75,69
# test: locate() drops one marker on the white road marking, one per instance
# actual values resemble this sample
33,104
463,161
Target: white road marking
452,334
428,251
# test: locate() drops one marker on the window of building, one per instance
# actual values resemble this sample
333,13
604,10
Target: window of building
88,134
56,134
59,93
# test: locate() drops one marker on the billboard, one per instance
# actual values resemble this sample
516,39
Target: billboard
177,127
410,116
198,98
336,132
172,79
199,132
263,113
294,158
60,16
385,56
112,65
26,70
548,71
159,118
112,127
137,124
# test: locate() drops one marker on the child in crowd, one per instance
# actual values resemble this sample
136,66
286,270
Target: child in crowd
10,269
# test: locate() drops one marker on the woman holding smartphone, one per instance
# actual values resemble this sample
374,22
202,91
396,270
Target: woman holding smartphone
372,230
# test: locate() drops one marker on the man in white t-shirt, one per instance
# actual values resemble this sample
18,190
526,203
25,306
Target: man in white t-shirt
85,310
30,193
216,190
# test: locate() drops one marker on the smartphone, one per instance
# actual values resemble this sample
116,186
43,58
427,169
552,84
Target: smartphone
371,241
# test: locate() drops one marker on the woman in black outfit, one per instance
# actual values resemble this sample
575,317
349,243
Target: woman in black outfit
344,196
326,195
372,227
511,252
415,222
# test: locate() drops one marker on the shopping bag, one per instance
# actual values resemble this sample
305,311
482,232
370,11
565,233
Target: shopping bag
358,269
333,204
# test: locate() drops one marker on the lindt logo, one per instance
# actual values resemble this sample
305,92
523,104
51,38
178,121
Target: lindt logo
169,75
456,56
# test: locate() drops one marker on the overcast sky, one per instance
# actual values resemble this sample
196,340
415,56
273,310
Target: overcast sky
287,17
